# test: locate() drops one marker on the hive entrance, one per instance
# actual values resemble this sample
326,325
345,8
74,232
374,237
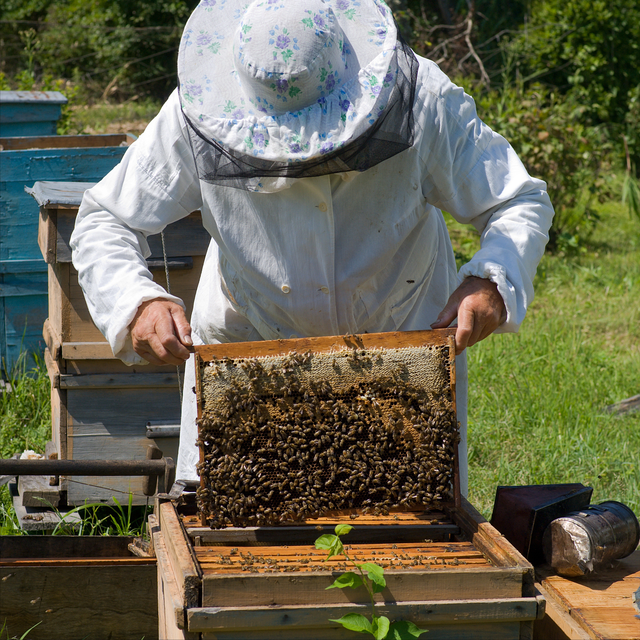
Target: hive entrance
288,437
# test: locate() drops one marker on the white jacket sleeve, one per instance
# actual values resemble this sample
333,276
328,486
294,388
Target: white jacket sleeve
474,174
155,184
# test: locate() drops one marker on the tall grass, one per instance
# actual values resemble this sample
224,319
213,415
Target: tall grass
25,423
537,399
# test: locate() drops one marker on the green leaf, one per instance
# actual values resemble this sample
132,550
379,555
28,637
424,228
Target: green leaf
343,529
380,627
375,573
348,579
325,541
355,622
330,542
404,630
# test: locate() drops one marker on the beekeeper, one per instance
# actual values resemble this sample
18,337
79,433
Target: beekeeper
320,150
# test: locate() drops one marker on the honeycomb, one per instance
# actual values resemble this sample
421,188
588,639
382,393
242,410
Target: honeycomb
288,438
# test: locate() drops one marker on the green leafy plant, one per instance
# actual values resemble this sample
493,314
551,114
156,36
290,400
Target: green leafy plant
103,520
370,576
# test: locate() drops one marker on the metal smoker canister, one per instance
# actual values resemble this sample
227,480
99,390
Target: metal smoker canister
587,540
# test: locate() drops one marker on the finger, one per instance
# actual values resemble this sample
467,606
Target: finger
465,329
166,342
183,328
148,355
447,315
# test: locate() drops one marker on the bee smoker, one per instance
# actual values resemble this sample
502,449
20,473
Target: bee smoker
587,540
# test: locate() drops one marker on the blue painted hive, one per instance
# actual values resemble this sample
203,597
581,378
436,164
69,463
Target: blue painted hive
23,272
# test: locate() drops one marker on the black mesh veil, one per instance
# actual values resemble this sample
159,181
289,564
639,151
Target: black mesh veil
392,133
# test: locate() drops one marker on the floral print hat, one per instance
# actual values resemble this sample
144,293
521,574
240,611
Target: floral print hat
277,84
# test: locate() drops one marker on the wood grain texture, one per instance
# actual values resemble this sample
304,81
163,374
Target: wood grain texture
59,421
601,605
398,526
35,491
171,609
66,142
557,623
470,631
310,588
64,547
110,424
325,344
422,613
492,543
184,568
70,601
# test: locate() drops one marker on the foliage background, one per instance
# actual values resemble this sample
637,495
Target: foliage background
560,79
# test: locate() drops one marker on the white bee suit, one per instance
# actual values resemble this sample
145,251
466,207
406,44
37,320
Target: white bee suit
328,255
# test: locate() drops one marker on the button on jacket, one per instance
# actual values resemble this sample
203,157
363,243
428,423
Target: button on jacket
329,255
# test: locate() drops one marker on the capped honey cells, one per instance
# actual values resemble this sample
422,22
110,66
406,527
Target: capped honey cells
287,438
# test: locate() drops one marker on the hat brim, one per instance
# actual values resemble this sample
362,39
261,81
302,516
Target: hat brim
215,102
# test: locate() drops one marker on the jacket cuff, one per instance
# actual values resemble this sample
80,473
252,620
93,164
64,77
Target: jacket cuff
118,333
496,273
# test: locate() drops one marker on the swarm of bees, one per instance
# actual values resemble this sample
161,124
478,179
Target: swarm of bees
295,437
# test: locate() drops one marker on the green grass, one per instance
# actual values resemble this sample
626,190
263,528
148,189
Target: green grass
130,117
537,398
25,410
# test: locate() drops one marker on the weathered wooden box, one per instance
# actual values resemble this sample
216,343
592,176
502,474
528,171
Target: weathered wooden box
448,571
23,274
30,113
100,406
76,587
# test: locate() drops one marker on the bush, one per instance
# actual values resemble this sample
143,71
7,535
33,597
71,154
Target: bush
589,50
115,48
556,146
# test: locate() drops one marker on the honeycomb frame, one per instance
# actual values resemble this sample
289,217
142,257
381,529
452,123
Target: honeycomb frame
295,429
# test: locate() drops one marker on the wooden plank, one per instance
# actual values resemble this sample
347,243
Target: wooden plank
325,344
71,601
171,609
53,371
47,234
42,518
53,342
59,303
36,491
114,367
184,567
111,424
59,421
185,237
18,143
168,380
310,588
63,546
470,631
422,613
492,543
407,557
398,526
87,351
69,316
77,562
557,623
600,604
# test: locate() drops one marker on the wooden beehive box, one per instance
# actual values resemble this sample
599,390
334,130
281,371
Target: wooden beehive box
23,274
76,587
448,571
100,406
